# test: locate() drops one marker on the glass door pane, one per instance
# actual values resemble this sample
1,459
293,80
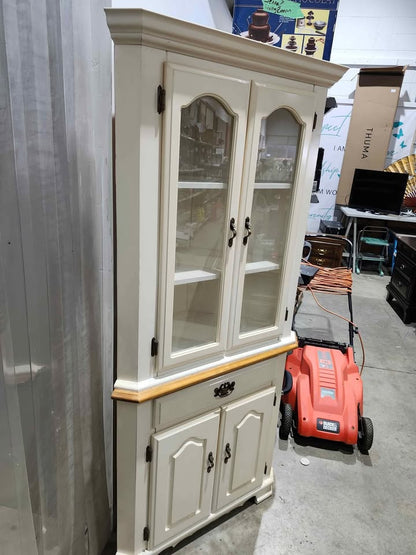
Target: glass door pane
206,135
278,146
273,187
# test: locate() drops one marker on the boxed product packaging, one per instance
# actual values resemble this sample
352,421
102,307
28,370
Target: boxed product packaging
305,26
369,133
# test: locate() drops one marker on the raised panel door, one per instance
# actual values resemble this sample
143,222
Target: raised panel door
242,447
183,476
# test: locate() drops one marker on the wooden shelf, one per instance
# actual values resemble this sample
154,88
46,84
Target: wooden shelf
201,185
193,276
198,141
270,185
261,266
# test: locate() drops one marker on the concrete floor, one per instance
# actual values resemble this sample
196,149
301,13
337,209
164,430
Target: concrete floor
343,502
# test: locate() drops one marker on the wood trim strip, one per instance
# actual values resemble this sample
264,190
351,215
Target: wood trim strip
161,390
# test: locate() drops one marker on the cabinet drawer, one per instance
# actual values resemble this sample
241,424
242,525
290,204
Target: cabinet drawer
405,266
402,248
402,285
216,392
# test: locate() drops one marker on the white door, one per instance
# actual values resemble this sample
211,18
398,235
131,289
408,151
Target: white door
279,133
203,150
183,471
243,445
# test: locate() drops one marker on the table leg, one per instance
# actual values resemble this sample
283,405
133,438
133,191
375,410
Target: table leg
348,227
354,246
347,231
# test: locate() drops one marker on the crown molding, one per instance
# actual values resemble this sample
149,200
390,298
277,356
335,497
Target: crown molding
142,27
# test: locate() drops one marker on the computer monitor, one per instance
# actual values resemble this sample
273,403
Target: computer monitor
378,191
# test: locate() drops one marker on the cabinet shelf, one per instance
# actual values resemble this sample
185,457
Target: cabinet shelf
201,185
261,266
270,185
193,276
198,141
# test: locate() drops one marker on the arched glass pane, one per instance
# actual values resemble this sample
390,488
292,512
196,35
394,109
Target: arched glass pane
278,146
203,188
275,172
206,137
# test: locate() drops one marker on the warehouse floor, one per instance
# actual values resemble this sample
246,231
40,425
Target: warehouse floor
343,501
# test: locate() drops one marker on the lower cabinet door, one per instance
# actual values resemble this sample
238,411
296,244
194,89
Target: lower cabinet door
183,475
242,448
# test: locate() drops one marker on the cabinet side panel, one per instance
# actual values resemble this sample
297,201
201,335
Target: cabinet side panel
126,494
137,194
149,203
127,119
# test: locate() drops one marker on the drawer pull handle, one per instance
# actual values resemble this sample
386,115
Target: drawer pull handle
225,389
247,225
210,462
233,230
227,453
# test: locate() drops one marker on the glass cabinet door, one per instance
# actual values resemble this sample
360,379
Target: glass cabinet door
205,135
206,143
275,170
280,127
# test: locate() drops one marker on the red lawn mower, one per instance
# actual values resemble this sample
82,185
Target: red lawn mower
322,393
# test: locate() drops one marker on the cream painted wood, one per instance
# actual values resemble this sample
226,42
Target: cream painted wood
259,495
137,204
171,404
140,263
242,446
133,475
183,475
185,85
186,461
236,72
188,403
141,27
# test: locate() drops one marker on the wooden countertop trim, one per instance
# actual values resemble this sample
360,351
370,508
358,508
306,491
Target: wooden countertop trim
156,391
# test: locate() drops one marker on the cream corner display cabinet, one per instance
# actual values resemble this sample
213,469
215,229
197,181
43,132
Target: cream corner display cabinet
216,145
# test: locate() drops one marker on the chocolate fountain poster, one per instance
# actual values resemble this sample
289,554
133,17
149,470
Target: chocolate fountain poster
305,27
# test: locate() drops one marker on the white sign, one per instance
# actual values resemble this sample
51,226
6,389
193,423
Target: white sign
333,139
402,135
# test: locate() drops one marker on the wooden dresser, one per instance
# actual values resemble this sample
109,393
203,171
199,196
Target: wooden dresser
401,291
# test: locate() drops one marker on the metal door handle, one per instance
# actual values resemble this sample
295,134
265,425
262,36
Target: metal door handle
247,225
227,453
234,232
225,389
210,461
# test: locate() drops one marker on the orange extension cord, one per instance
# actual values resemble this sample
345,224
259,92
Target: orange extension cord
337,281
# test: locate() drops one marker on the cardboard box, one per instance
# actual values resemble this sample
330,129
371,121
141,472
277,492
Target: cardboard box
305,26
374,108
